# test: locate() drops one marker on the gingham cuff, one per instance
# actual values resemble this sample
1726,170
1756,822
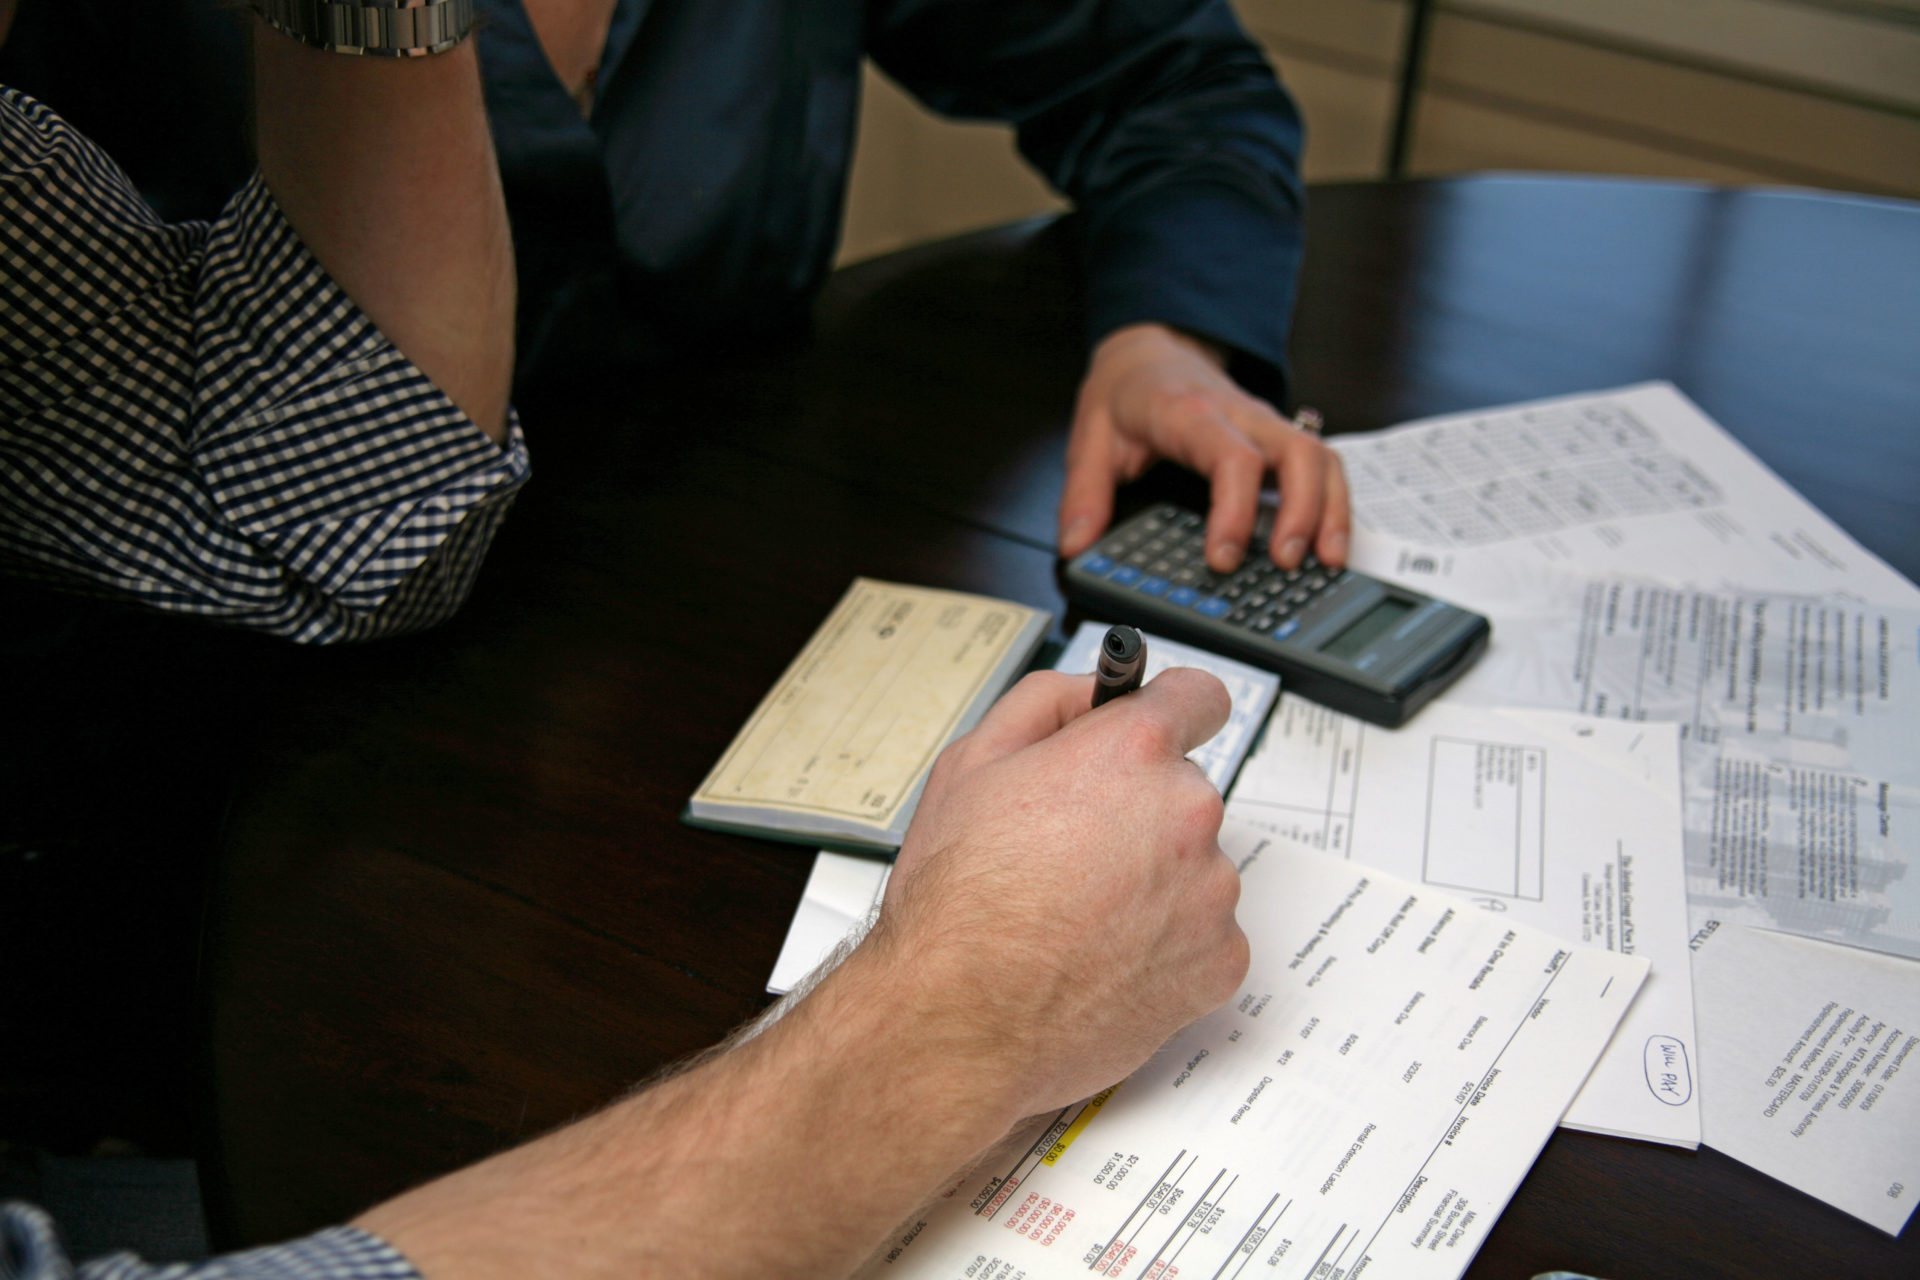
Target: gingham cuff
30,1250
316,438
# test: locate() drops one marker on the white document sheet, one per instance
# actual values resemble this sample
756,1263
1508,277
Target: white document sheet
842,891
1567,823
1367,1102
1798,720
841,894
1636,481
1810,1066
1252,691
1804,847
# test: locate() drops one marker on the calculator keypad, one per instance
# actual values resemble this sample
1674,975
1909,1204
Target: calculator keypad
1162,552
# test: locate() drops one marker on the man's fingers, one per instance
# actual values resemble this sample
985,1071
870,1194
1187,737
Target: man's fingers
1189,704
1302,472
1086,499
1233,501
1035,708
1151,393
1279,445
1336,519
1086,505
1197,429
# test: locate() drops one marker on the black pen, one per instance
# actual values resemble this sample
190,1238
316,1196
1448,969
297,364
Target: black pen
1123,661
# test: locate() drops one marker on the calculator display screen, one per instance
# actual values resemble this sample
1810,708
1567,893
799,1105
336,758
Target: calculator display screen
1370,626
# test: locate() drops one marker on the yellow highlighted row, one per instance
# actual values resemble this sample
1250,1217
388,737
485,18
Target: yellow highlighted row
1094,1104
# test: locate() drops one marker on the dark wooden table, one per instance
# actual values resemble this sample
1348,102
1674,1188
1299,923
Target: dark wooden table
456,904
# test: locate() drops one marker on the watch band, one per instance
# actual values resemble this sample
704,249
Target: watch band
385,28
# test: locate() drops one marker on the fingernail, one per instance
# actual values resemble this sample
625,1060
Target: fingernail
1228,554
1337,547
1075,530
1294,549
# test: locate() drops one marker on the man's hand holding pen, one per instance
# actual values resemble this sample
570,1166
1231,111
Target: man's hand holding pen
1062,887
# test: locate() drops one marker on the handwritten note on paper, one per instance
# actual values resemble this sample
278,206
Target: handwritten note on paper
1368,1102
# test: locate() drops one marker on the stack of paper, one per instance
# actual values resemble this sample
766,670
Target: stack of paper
1640,566
1369,1101
1563,823
1691,737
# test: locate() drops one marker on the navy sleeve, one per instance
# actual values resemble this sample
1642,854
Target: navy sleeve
1165,126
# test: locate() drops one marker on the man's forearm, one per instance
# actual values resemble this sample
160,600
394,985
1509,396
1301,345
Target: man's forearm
791,1155
385,168
796,1153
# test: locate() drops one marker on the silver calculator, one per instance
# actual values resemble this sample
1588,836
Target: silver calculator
1340,638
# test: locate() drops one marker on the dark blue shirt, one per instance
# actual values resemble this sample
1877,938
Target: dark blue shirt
722,133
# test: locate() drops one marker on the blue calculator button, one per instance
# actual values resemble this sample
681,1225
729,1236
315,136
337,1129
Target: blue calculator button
1182,596
1126,575
1097,564
1286,628
1155,586
1213,607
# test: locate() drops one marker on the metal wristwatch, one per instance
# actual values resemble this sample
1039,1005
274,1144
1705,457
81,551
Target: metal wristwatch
384,28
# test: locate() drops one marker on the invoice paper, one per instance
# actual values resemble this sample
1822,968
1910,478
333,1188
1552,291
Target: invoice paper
1636,481
843,891
1810,1066
1797,718
1368,1102
1564,822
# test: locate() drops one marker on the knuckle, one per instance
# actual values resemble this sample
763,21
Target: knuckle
1240,454
947,765
1236,957
1220,884
1179,404
1148,740
1306,459
1201,812
1308,451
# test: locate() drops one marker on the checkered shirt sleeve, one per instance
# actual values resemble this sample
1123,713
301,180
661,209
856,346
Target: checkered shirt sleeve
195,416
30,1250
